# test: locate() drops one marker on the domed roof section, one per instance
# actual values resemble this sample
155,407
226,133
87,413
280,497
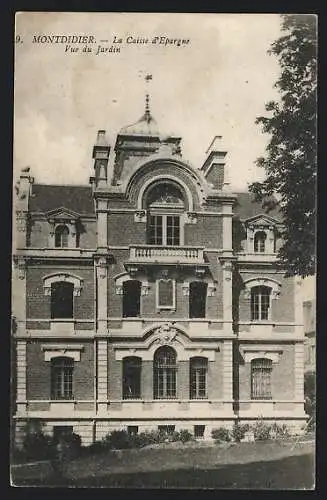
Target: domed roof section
145,126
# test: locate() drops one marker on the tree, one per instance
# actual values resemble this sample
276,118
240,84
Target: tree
290,159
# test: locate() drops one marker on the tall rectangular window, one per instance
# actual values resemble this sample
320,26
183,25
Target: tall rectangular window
198,378
165,372
260,303
62,378
132,366
261,378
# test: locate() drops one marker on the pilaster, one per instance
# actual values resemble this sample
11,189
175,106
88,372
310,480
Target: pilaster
102,293
102,224
19,293
102,374
299,372
228,294
227,243
228,370
21,377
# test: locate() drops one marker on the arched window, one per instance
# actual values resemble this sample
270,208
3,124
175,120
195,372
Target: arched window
260,303
165,203
62,299
198,378
62,378
132,377
61,236
261,378
197,299
131,298
165,373
260,242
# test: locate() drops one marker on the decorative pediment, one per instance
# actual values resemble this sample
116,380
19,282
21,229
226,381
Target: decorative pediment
62,213
262,220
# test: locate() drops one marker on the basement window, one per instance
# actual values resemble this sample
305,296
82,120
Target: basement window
199,431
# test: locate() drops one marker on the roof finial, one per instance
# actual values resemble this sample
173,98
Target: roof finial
147,78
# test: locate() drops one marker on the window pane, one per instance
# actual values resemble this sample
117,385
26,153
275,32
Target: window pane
261,378
165,293
254,304
62,300
155,230
265,301
198,378
173,230
165,372
131,378
62,379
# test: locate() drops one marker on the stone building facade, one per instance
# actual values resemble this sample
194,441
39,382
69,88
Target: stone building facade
150,297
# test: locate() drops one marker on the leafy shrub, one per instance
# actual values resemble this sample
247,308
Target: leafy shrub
93,448
279,431
36,445
185,436
239,431
221,435
117,440
73,444
261,431
310,399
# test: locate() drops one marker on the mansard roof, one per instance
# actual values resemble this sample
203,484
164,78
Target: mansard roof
45,198
246,208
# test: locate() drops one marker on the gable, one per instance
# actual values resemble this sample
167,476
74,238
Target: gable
261,220
62,213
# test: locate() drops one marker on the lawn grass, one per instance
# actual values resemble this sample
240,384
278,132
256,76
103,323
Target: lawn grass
244,466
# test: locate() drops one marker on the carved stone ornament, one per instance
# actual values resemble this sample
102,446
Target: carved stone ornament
47,290
200,272
186,289
140,216
166,335
21,220
228,269
211,290
145,290
77,291
21,266
192,217
102,267
119,289
275,294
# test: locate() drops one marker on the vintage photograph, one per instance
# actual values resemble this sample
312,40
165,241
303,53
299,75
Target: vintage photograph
164,251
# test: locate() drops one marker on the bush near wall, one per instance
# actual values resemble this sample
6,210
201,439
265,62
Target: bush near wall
221,435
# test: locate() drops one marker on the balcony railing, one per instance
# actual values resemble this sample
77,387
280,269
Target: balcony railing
175,254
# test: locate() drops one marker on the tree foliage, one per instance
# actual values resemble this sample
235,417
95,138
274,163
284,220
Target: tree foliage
290,159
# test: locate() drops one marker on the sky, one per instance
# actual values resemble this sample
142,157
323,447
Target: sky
217,84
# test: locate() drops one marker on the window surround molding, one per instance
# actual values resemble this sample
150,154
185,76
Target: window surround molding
166,334
171,307
63,217
158,179
52,351
274,285
271,352
121,278
261,223
49,279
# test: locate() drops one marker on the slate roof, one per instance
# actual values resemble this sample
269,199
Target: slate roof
246,207
50,197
